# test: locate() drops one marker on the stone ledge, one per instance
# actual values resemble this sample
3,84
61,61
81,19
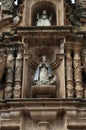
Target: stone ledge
44,91
43,115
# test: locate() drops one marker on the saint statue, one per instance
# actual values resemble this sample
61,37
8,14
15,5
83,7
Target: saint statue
43,20
43,74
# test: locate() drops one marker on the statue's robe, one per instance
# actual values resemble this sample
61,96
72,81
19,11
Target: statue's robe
37,73
43,21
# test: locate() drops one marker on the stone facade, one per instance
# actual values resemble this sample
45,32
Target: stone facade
60,105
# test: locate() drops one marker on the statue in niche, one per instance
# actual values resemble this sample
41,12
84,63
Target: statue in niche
44,20
43,74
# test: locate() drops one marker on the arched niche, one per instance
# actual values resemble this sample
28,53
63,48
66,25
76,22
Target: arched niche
38,7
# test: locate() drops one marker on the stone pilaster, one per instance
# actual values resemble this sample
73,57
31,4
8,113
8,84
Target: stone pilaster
18,75
26,91
78,74
69,74
9,74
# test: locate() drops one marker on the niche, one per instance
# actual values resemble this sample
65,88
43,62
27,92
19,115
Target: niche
38,8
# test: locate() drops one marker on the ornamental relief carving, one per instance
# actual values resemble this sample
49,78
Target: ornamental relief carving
69,70
7,4
77,67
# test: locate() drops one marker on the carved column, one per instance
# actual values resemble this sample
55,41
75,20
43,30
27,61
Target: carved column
69,74
18,75
9,74
78,74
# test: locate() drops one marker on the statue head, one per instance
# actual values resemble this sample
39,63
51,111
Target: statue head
44,58
44,12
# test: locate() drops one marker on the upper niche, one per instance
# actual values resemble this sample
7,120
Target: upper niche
39,7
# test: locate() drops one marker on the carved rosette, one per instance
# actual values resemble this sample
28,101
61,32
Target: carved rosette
69,75
78,74
9,74
18,75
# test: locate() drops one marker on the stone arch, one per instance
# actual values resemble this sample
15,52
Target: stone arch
38,7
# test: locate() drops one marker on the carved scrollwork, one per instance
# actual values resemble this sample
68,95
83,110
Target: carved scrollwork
7,4
78,14
13,12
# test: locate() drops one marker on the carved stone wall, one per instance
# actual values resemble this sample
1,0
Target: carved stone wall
22,46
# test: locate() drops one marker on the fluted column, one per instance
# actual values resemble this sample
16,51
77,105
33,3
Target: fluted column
18,75
9,74
69,75
78,74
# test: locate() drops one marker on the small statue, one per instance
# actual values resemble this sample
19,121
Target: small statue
43,74
44,20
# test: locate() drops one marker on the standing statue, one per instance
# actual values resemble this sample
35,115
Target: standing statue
44,20
43,74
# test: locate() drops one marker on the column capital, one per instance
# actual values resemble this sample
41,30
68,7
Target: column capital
68,46
77,47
